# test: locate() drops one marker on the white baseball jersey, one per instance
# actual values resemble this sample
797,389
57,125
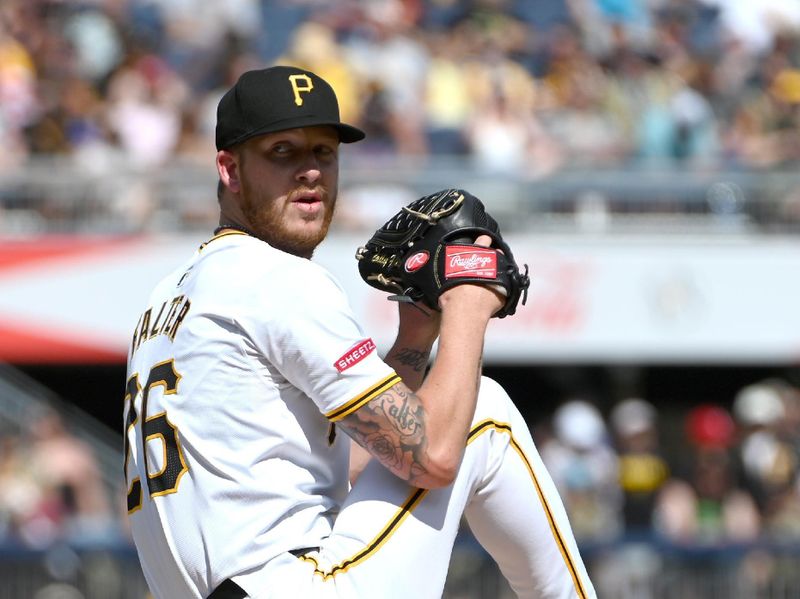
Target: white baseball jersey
238,369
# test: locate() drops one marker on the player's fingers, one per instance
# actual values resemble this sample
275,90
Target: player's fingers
484,240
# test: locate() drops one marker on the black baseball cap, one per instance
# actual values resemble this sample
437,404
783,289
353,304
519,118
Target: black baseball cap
276,99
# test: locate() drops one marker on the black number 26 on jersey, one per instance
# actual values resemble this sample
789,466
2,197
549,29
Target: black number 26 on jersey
164,477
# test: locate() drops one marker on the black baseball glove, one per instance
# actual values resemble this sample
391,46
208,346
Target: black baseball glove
427,248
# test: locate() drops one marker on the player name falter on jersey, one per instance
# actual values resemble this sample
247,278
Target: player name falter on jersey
470,261
168,317
355,354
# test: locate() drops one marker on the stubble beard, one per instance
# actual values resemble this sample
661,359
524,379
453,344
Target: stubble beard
270,224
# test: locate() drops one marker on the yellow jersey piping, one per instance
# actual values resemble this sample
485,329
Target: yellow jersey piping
220,235
373,546
485,425
363,398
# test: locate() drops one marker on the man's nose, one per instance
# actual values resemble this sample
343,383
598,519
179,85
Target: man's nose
310,171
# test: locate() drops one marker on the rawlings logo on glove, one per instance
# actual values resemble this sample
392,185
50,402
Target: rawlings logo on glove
468,261
426,248
417,261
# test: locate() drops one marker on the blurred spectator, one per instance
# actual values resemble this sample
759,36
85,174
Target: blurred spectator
768,452
18,103
790,423
146,100
68,473
195,34
504,134
50,486
388,52
643,470
609,24
707,504
448,93
96,42
28,510
574,104
695,139
504,140
584,468
632,569
757,23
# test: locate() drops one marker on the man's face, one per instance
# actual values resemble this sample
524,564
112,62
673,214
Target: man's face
289,182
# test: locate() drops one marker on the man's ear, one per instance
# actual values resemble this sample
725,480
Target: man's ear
228,169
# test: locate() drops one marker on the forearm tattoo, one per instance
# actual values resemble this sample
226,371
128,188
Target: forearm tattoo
392,428
413,358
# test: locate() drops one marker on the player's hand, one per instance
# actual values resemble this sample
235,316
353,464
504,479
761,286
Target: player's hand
484,300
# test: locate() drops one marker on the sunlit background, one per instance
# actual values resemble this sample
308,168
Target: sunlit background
641,157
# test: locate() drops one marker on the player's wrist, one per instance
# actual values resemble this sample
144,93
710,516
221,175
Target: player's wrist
418,325
475,301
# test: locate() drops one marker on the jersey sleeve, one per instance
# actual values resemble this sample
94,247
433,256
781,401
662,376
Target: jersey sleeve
316,343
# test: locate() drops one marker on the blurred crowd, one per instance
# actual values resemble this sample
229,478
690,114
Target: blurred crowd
52,488
718,475
516,86
62,525
715,478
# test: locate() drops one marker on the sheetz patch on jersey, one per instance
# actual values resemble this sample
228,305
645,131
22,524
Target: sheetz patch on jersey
470,261
355,354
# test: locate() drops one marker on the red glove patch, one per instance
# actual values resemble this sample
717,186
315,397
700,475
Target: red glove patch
470,261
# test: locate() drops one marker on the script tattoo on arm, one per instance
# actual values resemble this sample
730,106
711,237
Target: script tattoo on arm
392,428
413,358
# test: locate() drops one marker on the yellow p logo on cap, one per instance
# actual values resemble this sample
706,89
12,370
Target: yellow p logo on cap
300,84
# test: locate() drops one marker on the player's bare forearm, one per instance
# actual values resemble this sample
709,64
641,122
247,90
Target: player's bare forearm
392,429
411,351
410,363
450,391
420,435
409,357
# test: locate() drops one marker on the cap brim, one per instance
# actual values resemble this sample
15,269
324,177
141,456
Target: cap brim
347,133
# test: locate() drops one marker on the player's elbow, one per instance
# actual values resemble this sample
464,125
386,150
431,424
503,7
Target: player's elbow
440,470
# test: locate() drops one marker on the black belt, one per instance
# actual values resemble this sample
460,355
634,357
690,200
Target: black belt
230,590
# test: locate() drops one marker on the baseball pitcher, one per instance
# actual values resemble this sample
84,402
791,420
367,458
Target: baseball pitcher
270,450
